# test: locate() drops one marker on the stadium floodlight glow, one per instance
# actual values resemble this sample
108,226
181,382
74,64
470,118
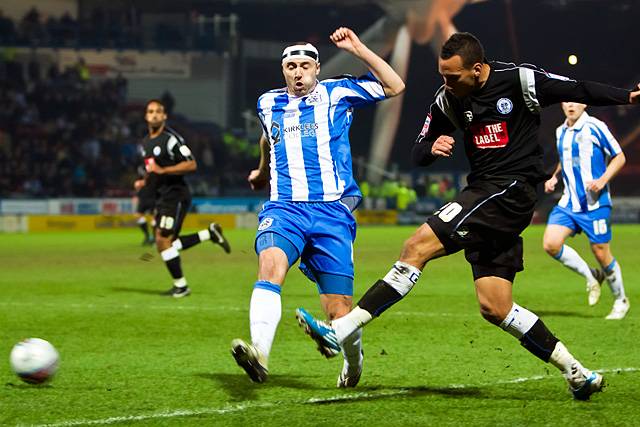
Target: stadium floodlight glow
573,59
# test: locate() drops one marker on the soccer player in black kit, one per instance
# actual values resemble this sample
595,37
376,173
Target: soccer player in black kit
167,159
497,107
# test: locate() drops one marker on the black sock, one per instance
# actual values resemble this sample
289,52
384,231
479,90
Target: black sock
378,298
174,267
145,229
189,240
539,341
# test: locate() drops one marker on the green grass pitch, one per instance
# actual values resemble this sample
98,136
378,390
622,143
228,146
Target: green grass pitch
130,356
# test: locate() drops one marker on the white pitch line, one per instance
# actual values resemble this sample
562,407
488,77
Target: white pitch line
314,400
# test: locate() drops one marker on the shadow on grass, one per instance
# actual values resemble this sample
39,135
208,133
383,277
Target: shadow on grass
563,313
140,291
240,387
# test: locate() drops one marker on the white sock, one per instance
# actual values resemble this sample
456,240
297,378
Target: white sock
402,277
347,325
352,349
518,321
564,361
570,258
265,311
614,279
180,283
204,235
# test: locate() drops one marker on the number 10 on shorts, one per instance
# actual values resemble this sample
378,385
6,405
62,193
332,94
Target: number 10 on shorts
600,226
448,211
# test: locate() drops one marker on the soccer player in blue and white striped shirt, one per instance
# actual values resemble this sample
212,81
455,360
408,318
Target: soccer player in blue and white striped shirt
590,157
305,153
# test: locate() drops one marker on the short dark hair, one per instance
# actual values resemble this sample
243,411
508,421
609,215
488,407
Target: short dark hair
467,46
155,101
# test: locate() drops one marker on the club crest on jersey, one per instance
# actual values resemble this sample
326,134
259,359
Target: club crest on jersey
157,150
266,223
275,132
313,98
468,117
504,105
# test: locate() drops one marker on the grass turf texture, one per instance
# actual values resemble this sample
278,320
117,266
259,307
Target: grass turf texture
132,356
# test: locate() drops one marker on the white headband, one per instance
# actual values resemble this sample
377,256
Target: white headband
300,51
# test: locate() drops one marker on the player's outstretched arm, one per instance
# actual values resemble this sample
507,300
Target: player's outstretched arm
258,178
346,39
553,90
181,168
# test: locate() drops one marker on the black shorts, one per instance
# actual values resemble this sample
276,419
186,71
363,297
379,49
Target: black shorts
171,208
486,220
146,201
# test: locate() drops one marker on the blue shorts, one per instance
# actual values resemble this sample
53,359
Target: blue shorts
321,234
595,224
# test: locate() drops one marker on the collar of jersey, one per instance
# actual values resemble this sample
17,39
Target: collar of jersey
579,124
300,97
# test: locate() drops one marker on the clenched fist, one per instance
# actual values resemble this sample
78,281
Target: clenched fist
443,146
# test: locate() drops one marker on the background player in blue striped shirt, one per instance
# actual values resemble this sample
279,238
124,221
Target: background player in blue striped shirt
585,146
313,192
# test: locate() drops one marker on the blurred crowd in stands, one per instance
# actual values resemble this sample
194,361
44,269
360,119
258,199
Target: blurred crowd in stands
63,134
114,28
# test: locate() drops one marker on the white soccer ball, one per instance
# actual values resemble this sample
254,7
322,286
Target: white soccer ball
34,360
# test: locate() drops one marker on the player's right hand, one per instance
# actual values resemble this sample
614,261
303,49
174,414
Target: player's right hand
257,180
443,146
550,184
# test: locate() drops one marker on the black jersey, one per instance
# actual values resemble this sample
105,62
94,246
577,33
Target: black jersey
500,121
166,149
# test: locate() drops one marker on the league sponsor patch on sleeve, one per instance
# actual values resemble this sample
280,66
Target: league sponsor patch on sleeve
425,128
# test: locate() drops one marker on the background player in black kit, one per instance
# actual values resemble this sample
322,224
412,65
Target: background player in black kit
497,107
167,159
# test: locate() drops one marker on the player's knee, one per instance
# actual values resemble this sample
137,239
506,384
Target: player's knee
422,246
162,242
552,246
600,251
493,313
273,265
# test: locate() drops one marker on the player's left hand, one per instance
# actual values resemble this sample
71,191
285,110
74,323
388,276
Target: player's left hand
634,96
596,186
346,39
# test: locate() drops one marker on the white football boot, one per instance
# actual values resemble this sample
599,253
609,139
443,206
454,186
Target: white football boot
249,358
594,288
350,376
619,310
583,382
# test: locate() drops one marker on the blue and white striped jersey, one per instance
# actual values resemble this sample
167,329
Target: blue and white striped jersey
309,138
584,149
